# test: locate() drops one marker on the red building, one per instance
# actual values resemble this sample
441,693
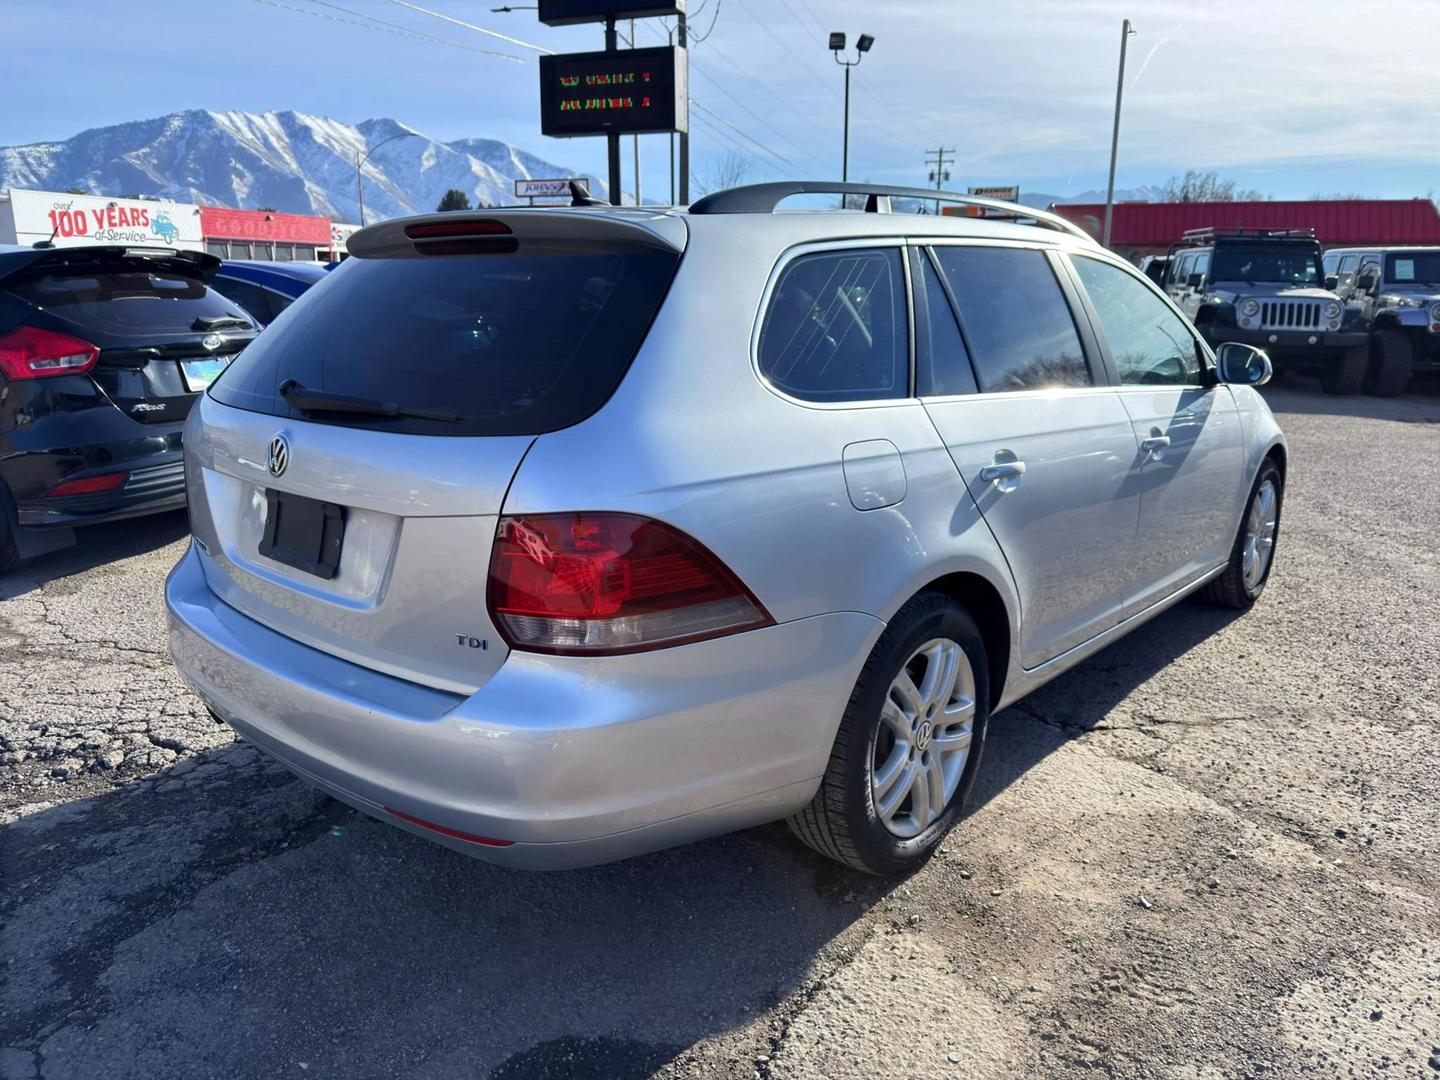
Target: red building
263,234
1150,228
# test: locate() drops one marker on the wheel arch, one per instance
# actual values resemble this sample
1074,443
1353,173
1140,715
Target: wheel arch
985,603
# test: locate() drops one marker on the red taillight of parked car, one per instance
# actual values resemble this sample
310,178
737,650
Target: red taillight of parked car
594,583
89,485
33,353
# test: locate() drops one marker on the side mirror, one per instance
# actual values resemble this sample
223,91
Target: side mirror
1195,280
1243,364
1332,282
1366,281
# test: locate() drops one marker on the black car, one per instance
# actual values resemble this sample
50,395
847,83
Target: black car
102,352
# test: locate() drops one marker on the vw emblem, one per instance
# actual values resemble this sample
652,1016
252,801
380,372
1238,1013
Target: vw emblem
923,734
279,455
212,341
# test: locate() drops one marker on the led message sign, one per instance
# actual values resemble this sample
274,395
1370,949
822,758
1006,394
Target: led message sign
566,12
630,92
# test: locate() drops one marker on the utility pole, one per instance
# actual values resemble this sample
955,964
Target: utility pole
937,161
1125,31
612,139
684,135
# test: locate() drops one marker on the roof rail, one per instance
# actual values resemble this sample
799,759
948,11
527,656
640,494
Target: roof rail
763,198
1211,232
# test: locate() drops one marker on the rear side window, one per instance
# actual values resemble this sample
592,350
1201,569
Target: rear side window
943,365
249,296
126,301
836,328
1015,318
513,344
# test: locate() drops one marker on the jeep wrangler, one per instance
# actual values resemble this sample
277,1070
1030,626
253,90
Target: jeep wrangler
1265,287
1394,293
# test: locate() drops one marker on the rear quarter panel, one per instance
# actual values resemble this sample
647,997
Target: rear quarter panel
694,438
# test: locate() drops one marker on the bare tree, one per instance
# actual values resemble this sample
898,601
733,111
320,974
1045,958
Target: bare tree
729,171
1197,186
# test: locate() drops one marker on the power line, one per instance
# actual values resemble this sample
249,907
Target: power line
384,27
740,131
816,18
829,87
472,26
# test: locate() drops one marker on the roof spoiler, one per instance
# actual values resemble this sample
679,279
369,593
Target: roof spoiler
197,264
501,231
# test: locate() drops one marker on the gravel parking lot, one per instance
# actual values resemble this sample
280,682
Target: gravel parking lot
1213,850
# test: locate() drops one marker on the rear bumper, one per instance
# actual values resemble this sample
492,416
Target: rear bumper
569,761
155,481
1309,341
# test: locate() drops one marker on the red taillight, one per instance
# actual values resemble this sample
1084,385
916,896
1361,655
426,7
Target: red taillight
89,485
606,583
33,353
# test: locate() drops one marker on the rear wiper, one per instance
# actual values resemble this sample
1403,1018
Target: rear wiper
215,322
297,397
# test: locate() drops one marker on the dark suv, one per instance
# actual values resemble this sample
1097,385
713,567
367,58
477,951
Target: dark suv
1266,288
102,352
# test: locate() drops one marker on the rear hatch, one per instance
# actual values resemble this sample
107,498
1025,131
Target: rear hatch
349,468
163,334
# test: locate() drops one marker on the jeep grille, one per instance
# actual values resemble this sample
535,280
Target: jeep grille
1290,314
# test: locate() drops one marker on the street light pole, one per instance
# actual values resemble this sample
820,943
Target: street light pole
360,161
837,46
1125,31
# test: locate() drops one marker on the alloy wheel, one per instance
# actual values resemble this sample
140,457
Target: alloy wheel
923,741
1260,535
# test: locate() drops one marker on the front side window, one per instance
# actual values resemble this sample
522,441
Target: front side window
1015,318
836,328
1150,344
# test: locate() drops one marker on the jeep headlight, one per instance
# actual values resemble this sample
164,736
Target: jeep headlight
1250,308
1332,309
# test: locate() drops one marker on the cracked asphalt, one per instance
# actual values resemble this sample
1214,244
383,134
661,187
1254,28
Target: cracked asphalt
1212,850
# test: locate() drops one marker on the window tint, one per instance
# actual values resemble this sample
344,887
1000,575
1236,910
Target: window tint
123,299
836,327
1149,343
250,297
943,365
1015,318
513,344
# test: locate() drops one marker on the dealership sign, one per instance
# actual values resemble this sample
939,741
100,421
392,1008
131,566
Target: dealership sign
567,12
223,223
547,189
28,217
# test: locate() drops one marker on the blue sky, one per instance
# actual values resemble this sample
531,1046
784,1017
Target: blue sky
1292,97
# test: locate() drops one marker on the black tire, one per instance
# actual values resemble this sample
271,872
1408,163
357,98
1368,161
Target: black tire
1230,589
1346,375
841,821
10,557
1392,363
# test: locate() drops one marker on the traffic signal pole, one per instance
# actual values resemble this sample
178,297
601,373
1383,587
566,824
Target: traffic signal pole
684,135
612,138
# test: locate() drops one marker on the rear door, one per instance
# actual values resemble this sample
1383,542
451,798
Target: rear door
367,533
1044,445
1191,460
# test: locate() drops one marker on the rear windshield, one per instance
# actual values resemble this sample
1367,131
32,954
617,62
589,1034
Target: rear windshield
127,301
513,344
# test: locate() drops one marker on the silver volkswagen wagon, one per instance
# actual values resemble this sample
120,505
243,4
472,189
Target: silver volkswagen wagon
561,535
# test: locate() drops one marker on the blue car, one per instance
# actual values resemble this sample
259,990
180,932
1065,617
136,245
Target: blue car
265,289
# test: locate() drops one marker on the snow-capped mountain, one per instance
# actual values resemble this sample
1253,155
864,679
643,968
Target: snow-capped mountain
290,161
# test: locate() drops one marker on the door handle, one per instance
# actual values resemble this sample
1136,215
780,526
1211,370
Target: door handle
1156,445
1005,475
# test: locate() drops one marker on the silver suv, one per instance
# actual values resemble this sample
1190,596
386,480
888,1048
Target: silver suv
561,535
1265,287
1395,294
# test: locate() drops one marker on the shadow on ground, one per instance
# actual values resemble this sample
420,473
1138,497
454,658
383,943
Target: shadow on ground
96,545
223,918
